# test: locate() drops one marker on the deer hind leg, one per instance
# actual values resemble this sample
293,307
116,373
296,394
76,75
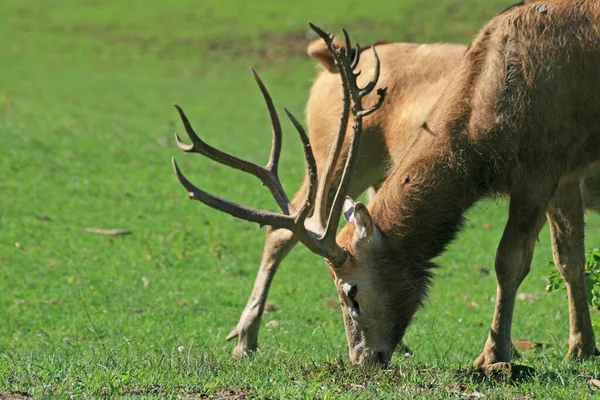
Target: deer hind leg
513,260
278,244
565,215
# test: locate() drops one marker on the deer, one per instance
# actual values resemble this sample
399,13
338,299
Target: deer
517,117
419,73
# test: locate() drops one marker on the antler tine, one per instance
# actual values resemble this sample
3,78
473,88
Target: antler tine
371,85
261,217
273,163
267,175
311,168
356,56
348,49
352,90
322,196
381,92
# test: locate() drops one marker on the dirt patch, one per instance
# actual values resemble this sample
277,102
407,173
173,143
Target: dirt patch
267,46
237,394
6,395
184,393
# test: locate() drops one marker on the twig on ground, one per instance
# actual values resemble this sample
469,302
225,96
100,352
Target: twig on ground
111,232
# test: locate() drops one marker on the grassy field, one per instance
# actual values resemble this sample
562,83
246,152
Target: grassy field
86,128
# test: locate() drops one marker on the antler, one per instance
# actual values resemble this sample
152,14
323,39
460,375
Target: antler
318,232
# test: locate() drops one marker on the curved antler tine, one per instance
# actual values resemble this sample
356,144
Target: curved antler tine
327,37
371,85
182,146
267,176
351,90
261,217
273,163
200,146
311,166
190,132
356,59
381,93
348,50
182,179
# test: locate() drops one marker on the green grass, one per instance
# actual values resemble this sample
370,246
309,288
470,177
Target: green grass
87,134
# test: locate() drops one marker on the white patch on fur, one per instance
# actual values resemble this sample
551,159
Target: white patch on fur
346,287
349,209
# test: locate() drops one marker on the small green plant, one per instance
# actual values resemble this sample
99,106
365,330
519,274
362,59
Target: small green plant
592,278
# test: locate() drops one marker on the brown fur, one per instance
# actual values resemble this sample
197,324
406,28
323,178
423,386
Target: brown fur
520,116
478,113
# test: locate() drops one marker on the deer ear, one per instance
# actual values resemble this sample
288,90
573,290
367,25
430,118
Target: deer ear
358,214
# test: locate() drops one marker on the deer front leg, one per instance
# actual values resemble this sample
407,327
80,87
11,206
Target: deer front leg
278,244
565,215
513,260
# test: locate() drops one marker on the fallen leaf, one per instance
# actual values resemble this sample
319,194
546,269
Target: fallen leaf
488,225
524,345
145,281
595,383
18,245
527,297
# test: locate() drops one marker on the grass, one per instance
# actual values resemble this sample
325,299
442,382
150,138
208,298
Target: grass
86,128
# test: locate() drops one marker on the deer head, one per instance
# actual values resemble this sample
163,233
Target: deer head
378,298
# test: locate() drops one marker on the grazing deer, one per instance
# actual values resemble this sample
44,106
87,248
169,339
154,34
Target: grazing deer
517,117
418,74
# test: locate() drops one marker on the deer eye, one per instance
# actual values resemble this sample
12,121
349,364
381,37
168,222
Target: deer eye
349,290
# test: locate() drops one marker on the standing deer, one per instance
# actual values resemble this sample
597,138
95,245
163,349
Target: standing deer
518,117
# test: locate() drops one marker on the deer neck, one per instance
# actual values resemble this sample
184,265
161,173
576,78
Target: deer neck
420,207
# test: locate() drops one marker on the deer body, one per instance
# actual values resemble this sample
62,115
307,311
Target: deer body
417,76
414,74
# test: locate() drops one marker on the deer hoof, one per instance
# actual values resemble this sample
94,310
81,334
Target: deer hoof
241,351
505,371
577,353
